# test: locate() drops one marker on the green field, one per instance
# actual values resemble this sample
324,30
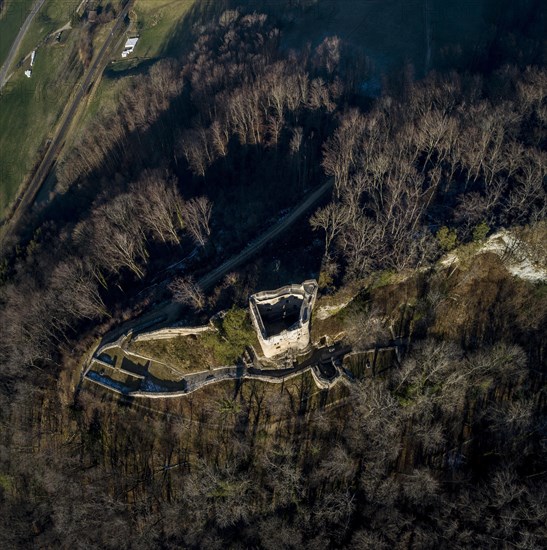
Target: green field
30,108
156,23
53,15
13,15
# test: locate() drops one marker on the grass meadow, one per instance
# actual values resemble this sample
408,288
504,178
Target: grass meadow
12,17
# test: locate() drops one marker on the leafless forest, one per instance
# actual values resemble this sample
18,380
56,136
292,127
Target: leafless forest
444,449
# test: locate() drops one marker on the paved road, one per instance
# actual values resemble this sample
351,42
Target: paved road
168,312
273,232
57,142
17,42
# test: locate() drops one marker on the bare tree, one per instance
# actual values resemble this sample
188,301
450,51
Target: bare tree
331,219
364,330
220,136
198,150
75,290
274,126
118,234
420,487
327,54
197,215
528,196
375,426
188,292
319,96
532,89
119,248
296,140
164,82
104,141
160,206
338,467
228,17
85,47
362,245
340,151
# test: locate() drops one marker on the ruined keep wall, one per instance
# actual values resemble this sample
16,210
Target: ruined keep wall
297,337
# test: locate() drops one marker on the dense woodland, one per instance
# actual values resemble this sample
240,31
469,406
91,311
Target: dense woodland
446,448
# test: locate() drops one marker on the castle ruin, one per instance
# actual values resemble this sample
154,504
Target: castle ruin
282,317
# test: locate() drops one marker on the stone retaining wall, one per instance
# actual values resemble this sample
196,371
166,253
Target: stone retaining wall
166,333
230,373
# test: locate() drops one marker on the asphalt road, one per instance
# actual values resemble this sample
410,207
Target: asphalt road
57,142
257,244
168,311
17,42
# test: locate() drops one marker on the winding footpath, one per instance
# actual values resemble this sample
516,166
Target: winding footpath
324,363
270,234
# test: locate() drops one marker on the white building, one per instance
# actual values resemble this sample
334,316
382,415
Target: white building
129,46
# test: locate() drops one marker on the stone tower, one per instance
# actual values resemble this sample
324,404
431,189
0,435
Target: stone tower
282,317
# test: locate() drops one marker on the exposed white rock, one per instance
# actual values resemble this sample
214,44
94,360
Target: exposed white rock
515,254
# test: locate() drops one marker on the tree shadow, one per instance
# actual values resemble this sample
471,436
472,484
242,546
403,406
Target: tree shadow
126,401
184,33
134,368
323,398
154,384
140,66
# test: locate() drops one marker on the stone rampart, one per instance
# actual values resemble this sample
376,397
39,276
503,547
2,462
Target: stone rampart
166,333
229,374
